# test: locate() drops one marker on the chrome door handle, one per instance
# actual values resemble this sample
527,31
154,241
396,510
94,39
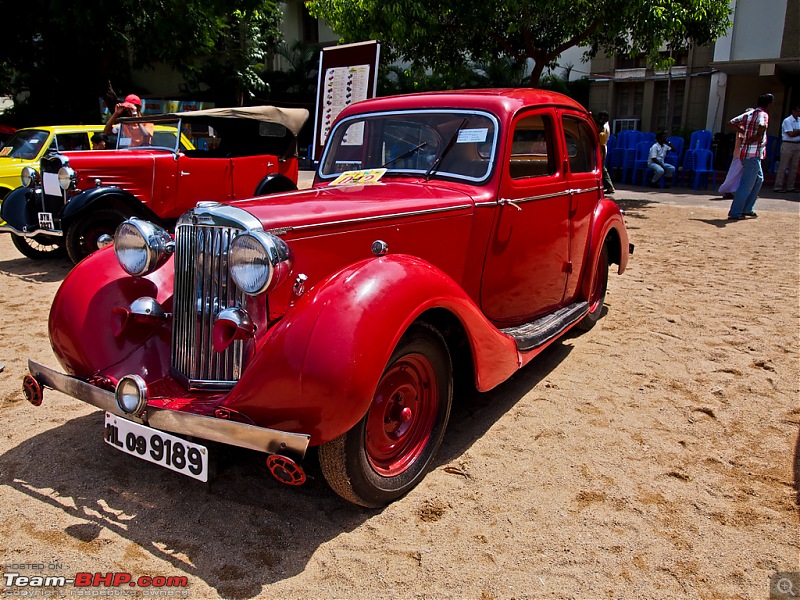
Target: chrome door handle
185,173
503,201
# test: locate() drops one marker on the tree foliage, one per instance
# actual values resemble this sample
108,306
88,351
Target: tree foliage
63,55
441,35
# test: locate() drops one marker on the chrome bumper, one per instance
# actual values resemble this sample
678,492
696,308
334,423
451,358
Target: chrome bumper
232,433
6,228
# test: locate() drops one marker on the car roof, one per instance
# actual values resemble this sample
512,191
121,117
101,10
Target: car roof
66,128
504,102
291,118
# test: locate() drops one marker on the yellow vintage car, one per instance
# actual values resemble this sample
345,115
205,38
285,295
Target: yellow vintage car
26,146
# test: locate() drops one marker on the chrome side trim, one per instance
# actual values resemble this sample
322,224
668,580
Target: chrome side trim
10,229
232,433
553,195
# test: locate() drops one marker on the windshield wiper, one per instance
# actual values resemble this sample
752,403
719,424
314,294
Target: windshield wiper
408,152
446,149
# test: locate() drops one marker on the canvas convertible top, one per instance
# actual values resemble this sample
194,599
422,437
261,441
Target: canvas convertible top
291,118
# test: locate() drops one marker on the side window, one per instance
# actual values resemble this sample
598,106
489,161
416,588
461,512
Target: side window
581,148
532,152
72,141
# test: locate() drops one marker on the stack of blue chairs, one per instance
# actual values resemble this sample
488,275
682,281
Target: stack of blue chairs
640,164
674,158
699,140
629,158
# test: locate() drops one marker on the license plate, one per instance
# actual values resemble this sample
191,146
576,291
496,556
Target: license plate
157,447
46,221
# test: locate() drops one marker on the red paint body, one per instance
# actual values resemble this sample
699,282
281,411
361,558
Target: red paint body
492,253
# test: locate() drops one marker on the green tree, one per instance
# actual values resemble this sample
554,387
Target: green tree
441,35
63,55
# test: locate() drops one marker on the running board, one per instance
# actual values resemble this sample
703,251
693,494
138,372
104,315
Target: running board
532,335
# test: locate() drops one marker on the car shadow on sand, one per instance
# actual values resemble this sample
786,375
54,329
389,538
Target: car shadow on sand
242,530
49,270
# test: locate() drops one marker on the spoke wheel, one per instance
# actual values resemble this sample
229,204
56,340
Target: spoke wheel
83,235
38,247
388,452
597,296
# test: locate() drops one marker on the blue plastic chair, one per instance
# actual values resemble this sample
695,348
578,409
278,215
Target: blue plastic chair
674,158
700,139
773,153
612,142
632,139
616,156
703,167
649,136
640,163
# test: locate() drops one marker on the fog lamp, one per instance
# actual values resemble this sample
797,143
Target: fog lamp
131,395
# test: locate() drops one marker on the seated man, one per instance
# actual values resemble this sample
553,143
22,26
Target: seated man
657,158
100,141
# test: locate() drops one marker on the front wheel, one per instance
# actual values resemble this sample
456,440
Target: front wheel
83,235
597,296
388,452
38,247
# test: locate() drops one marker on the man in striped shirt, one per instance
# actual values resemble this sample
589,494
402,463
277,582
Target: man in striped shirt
753,126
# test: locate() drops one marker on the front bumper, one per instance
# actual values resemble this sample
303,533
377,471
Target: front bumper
6,228
232,433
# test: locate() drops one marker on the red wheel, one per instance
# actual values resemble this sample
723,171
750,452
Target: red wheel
597,296
389,451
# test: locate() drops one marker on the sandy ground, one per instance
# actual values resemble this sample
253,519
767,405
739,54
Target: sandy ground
655,456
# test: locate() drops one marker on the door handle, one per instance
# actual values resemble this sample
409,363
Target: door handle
185,173
503,201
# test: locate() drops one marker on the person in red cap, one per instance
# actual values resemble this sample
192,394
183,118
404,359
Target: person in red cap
139,134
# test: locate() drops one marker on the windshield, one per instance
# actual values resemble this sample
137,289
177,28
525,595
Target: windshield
410,142
146,135
26,144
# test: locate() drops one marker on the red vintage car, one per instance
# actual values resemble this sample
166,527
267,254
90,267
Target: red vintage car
76,200
448,236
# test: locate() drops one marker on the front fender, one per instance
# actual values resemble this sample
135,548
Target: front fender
106,197
316,370
13,210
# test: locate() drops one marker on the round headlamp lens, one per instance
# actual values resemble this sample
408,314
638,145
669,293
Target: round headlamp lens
250,262
65,177
141,247
131,394
29,177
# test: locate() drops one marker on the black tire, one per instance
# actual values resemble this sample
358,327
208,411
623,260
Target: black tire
597,296
39,247
389,451
83,233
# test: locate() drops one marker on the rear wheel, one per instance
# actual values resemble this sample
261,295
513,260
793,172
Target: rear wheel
38,247
388,452
83,235
597,296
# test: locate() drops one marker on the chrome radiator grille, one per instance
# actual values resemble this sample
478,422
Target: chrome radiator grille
202,289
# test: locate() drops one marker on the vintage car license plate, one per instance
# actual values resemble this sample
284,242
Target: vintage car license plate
46,220
157,447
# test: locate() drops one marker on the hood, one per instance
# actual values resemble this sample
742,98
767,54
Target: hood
336,205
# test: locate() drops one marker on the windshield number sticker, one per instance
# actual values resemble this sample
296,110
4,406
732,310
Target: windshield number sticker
363,177
466,136
5,151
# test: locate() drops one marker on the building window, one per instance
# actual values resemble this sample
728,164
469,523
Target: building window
676,91
310,27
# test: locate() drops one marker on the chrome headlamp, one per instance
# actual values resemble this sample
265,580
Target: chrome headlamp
142,247
258,261
29,176
66,177
131,395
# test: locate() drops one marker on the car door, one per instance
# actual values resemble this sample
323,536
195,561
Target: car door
582,150
524,274
202,178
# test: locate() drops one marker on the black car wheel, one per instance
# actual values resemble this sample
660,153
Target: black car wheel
389,451
38,247
83,235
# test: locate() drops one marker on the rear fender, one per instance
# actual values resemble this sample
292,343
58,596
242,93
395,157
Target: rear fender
107,197
316,370
607,225
275,183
